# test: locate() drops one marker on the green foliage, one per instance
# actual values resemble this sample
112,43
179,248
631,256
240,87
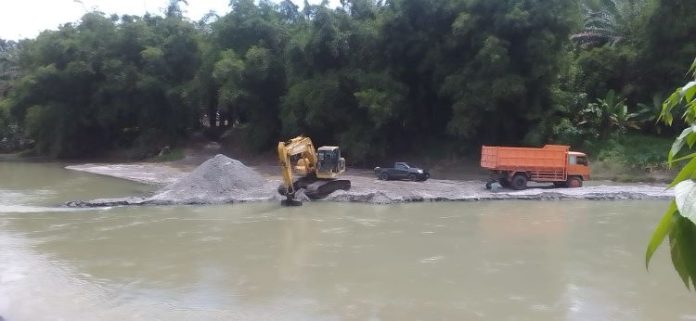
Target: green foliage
167,155
631,151
668,45
605,119
606,68
104,83
9,64
681,216
376,77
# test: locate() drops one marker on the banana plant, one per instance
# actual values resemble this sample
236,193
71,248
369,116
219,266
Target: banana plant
609,114
622,120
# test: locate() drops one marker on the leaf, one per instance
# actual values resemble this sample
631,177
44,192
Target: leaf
692,155
682,237
663,228
668,105
667,118
675,252
679,142
685,173
690,140
689,90
685,197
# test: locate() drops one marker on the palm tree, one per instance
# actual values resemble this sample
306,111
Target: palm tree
608,22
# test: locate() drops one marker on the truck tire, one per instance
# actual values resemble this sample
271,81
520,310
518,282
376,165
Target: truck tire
384,176
519,182
574,182
412,177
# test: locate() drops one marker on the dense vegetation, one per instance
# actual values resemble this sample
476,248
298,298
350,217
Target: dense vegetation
374,76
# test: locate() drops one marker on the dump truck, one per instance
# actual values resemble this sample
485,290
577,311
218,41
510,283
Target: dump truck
515,166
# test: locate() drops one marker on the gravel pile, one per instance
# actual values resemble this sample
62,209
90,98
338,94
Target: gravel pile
218,180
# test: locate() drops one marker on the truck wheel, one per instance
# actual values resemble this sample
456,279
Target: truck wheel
412,177
574,182
489,184
519,181
384,176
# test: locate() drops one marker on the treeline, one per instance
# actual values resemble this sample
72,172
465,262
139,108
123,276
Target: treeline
376,77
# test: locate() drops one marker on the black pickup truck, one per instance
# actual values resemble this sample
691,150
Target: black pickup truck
402,170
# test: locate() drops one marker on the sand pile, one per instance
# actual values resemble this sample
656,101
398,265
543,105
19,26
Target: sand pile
218,180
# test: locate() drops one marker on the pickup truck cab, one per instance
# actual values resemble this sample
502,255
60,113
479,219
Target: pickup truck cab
402,170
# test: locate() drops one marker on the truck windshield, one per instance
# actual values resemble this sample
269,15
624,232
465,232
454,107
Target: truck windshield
582,160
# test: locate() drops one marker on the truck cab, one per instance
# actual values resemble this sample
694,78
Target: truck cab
578,165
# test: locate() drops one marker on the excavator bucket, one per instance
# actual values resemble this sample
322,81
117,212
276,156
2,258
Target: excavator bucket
290,202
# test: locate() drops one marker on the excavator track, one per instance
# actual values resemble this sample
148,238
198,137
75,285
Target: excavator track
316,188
322,188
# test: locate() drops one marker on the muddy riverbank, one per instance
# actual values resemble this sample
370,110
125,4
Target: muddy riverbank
216,182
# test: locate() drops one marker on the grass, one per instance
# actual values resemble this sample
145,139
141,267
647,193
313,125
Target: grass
172,155
631,158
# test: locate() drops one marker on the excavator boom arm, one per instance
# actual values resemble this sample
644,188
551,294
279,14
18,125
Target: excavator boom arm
302,146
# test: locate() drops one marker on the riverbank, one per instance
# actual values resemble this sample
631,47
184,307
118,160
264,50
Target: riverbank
365,188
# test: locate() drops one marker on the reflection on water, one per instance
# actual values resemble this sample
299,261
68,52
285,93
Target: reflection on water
324,261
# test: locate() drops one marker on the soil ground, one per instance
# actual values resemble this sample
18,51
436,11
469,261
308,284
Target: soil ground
463,182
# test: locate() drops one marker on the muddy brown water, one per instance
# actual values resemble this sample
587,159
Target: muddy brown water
505,260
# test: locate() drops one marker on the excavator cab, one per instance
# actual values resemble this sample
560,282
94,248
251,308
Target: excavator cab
329,162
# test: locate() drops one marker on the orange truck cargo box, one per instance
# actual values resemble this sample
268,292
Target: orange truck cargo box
514,166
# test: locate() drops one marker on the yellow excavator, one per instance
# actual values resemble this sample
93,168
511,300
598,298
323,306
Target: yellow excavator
317,170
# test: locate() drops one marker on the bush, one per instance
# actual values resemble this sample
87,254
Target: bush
634,151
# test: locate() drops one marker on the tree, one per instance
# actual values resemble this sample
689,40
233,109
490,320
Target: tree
667,46
609,22
105,83
242,75
678,221
9,64
508,67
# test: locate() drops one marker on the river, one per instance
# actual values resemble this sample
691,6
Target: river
502,260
